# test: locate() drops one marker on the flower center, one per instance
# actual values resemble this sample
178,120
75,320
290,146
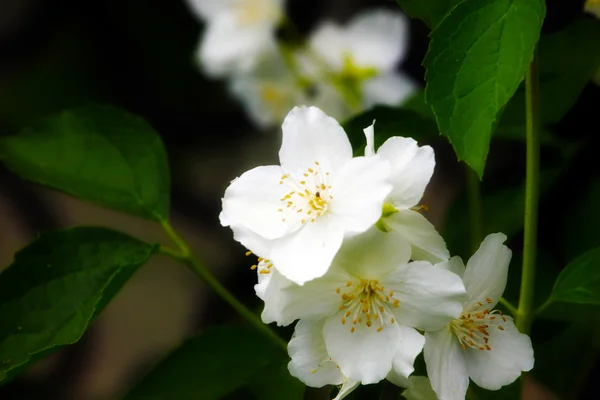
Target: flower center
307,199
367,302
471,328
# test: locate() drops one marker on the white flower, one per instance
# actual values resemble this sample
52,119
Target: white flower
412,168
305,207
364,54
369,303
419,389
267,92
482,344
237,33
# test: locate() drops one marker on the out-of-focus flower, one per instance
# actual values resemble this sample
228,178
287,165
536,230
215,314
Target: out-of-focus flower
361,58
593,7
369,304
412,168
237,34
482,344
308,205
268,92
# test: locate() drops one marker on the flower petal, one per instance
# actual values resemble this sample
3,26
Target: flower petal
419,389
404,362
511,353
427,243
429,297
253,242
316,299
487,270
229,47
309,136
207,9
359,192
370,136
372,254
252,200
364,355
412,168
328,41
309,359
455,265
378,39
390,89
446,366
269,289
307,253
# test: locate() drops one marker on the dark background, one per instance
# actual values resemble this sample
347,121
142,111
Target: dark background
137,54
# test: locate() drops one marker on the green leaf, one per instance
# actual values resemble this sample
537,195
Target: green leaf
579,282
582,222
389,121
477,57
217,362
568,60
98,153
429,11
56,285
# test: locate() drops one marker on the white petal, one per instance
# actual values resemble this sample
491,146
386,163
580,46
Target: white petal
230,47
370,136
412,168
446,365
429,297
310,362
365,355
207,9
347,387
510,354
253,242
455,265
307,253
389,89
316,299
252,200
487,270
269,288
419,389
328,41
359,192
427,244
378,39
309,136
403,365
373,254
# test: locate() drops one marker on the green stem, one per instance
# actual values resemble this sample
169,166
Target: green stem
543,307
185,256
475,209
524,317
507,304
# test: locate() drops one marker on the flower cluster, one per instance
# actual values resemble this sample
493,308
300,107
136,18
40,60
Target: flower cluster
342,69
344,250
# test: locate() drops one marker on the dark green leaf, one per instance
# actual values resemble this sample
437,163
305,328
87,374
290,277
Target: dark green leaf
477,57
579,282
582,222
216,363
429,11
55,287
101,154
568,60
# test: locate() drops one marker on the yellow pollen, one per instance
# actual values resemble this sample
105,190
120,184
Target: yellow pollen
471,328
248,253
253,267
364,303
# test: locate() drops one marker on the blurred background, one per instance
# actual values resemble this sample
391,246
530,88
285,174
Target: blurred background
138,55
